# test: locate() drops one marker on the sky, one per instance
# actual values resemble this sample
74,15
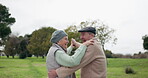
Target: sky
129,18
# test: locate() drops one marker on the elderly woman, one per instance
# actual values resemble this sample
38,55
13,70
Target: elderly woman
58,54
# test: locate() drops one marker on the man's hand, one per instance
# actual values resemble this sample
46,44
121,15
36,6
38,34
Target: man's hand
89,42
52,74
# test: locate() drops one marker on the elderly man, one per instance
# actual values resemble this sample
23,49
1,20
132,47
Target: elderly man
93,64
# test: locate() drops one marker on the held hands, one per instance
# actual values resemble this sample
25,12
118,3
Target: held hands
74,43
89,42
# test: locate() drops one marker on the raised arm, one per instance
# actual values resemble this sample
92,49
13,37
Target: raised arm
69,61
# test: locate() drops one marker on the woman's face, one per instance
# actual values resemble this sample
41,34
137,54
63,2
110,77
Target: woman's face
63,42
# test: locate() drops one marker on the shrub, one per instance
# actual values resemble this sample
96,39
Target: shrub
129,70
29,55
22,55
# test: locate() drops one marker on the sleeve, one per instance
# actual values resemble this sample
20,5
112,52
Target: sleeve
88,57
69,61
69,50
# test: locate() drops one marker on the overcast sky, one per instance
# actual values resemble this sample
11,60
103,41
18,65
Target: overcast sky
128,17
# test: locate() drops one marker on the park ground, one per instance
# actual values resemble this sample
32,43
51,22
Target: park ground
36,68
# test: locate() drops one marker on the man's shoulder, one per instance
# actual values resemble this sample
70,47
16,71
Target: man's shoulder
92,46
95,46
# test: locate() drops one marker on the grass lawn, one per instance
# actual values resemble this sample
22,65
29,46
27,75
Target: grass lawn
116,68
22,68
36,68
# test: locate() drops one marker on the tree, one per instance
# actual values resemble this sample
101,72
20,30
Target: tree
5,22
145,42
23,51
11,46
105,35
39,41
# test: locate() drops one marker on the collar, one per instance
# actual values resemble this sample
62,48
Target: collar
58,46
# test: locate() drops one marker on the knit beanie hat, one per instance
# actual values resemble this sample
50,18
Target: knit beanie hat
57,36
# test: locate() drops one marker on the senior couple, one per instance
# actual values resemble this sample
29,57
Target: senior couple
89,56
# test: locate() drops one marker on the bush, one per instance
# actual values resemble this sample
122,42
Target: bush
29,55
129,70
22,55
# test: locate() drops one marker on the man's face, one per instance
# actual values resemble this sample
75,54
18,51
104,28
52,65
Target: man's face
84,36
63,42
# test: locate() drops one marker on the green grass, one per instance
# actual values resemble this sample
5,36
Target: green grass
36,68
116,68
23,68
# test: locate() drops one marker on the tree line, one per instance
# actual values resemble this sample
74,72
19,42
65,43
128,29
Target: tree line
38,42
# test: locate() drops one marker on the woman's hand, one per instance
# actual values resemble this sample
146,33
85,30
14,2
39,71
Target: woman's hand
74,43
